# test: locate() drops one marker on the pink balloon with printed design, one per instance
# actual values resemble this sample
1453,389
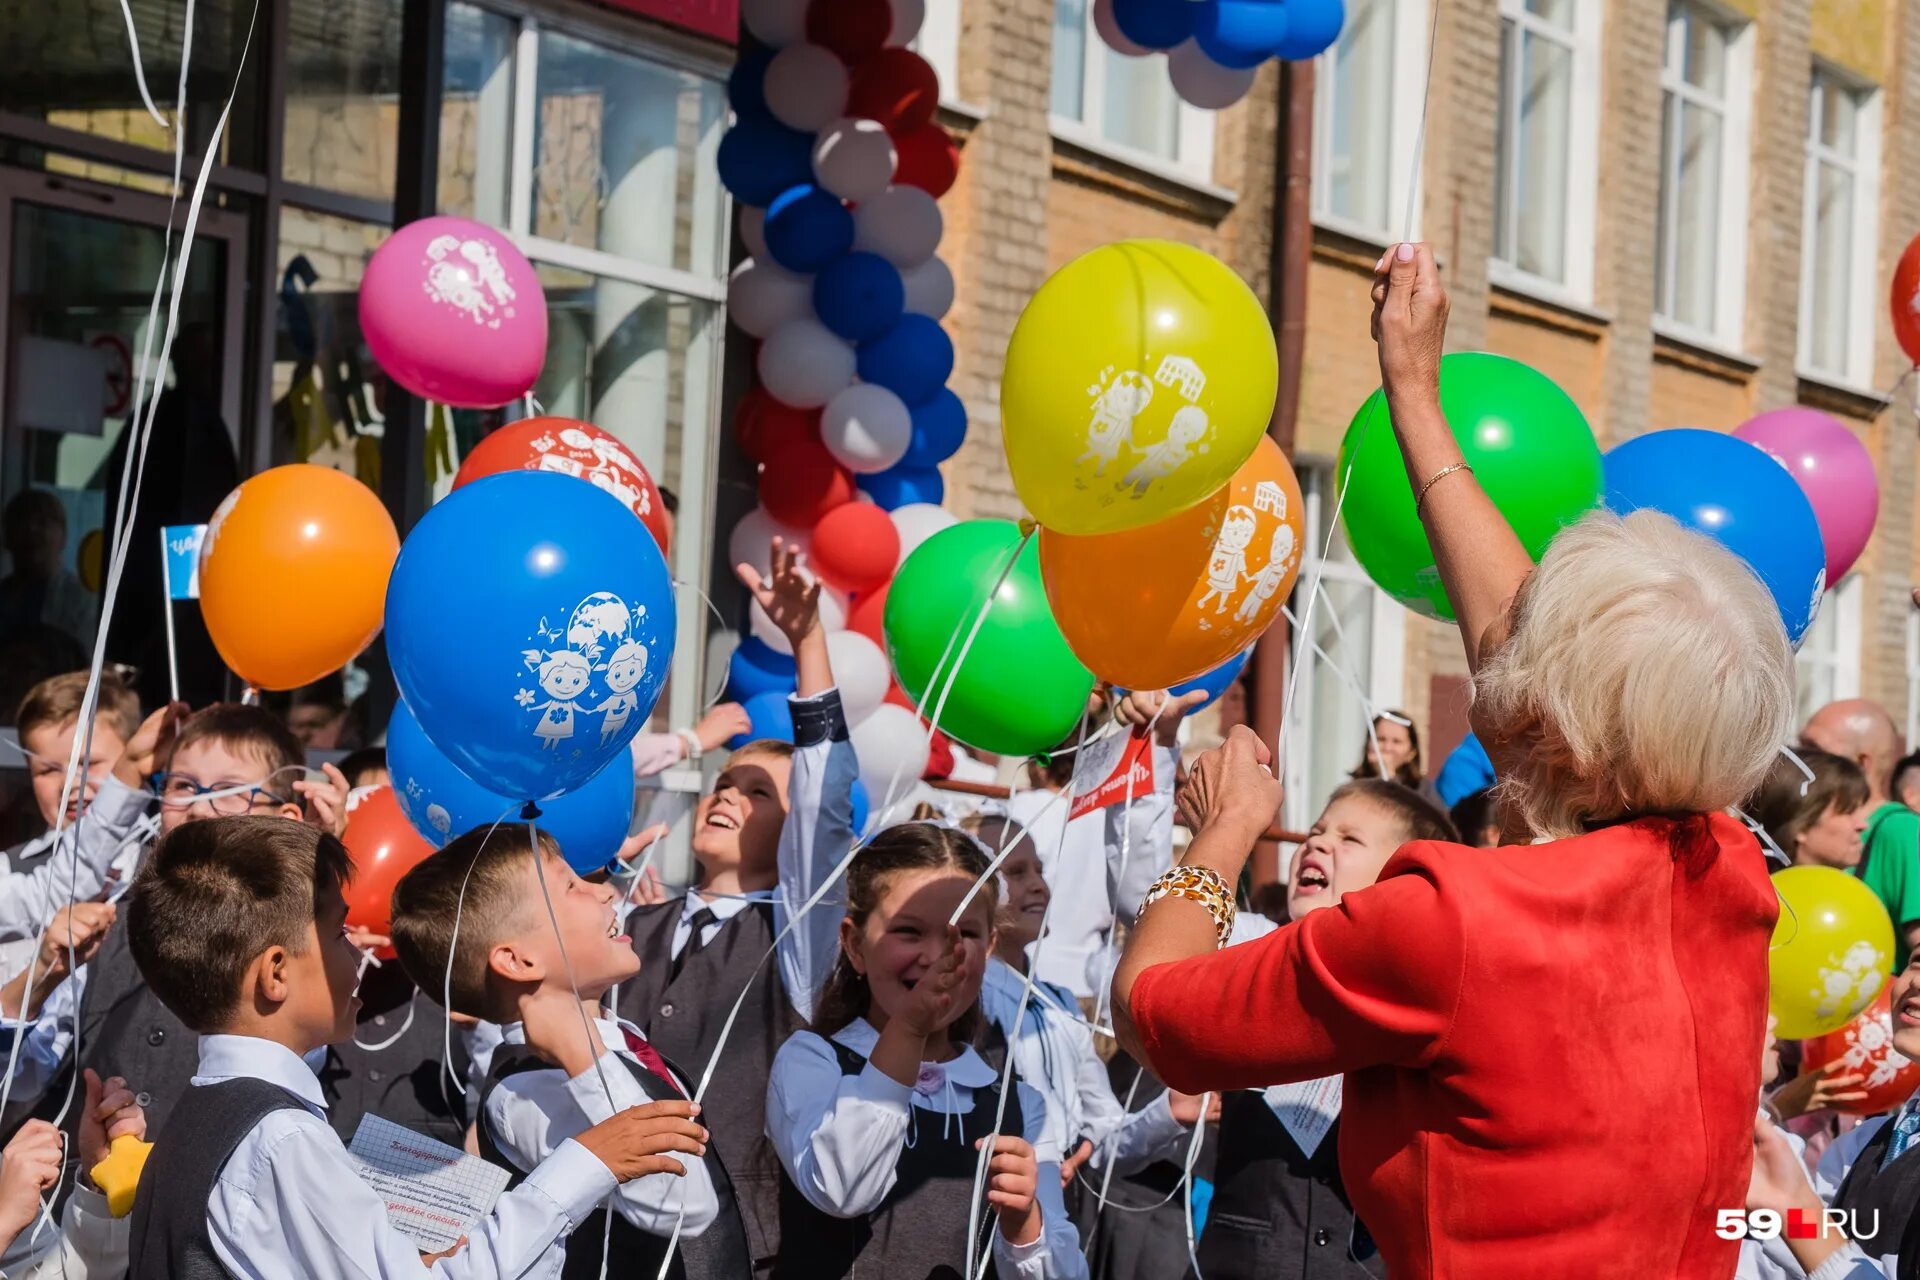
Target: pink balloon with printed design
1834,470
455,314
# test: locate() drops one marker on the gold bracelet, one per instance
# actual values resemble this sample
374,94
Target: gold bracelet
1203,885
1420,499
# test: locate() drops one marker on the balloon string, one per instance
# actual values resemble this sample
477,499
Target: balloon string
1366,703
1807,780
140,71
713,700
1420,131
446,985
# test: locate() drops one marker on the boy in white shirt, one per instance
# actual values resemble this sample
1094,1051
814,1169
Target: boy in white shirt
238,925
566,1063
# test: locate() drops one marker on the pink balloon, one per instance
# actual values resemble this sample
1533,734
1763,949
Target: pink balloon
1834,470
455,313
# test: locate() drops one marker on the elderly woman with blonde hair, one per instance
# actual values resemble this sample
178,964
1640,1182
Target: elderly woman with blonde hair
1549,1052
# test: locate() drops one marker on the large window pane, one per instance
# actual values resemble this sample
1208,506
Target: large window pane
343,90
1690,214
1355,174
1536,106
1069,58
476,114
1703,49
327,392
625,156
1832,269
1141,109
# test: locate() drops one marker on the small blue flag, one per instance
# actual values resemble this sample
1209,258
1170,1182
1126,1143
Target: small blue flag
182,547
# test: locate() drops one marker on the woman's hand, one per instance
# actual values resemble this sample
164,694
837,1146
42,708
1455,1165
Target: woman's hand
1013,1174
1409,324
1230,792
1818,1090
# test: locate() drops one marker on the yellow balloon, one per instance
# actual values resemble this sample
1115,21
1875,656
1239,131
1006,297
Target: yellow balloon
1139,378
1832,950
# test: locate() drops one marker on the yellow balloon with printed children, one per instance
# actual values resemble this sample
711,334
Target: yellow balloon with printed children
1832,950
1138,380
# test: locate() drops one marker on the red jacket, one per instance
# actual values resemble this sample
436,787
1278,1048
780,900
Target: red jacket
1551,1051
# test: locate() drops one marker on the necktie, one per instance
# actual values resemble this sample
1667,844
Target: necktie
696,939
1906,1130
650,1059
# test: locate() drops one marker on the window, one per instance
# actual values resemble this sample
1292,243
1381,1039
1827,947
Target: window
939,43
1366,114
1351,671
1701,257
1108,102
1545,156
343,96
1828,664
1840,228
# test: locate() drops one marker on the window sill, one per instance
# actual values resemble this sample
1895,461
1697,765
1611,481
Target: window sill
1549,308
1835,384
962,116
1080,138
1704,344
1357,232
1504,275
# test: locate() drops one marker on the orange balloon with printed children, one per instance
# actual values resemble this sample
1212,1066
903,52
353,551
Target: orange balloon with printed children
1149,607
293,574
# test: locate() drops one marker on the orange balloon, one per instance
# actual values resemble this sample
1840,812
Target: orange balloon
385,847
1149,607
293,574
1866,1046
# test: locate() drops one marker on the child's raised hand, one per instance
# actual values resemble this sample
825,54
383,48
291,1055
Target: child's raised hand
1160,710
1013,1175
29,1166
930,1004
148,751
789,595
725,721
111,1112
328,799
1819,1090
72,939
635,1142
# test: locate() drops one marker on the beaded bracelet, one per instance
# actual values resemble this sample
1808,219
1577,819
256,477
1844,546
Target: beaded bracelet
1203,885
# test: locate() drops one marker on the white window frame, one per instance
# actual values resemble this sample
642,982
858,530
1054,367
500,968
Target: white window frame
1863,293
1583,163
1842,660
939,43
1192,164
1404,173
1386,656
1730,284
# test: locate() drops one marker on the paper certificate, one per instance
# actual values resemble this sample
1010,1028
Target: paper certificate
434,1192
1307,1109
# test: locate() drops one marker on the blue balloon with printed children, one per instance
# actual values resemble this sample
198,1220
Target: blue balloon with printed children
530,625
1737,495
441,802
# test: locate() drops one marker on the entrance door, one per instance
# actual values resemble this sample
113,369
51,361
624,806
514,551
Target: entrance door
78,264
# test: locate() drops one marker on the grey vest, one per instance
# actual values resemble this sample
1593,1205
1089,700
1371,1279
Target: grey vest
683,1019
170,1240
718,1253
404,1081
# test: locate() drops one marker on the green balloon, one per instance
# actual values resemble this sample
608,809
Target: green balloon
1020,691
1530,448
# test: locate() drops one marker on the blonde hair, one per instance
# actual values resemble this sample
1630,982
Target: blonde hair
1648,672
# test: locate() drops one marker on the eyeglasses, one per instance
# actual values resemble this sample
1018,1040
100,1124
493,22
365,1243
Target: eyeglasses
178,791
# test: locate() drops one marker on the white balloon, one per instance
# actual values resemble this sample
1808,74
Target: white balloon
804,364
778,23
918,521
854,158
1110,33
929,288
907,17
833,617
753,231
751,541
866,427
1204,83
860,671
901,224
806,87
892,747
762,297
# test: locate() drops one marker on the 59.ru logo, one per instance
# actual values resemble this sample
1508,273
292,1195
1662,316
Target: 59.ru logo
1795,1224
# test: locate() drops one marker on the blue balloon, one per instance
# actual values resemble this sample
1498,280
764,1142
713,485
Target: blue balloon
862,808
1215,682
441,802
757,667
1312,27
913,359
939,429
902,486
761,158
1240,33
1735,494
770,717
859,297
746,86
530,626
1154,24
807,228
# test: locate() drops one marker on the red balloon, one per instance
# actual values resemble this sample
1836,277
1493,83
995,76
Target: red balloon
855,547
897,87
853,29
763,425
927,159
802,482
869,609
1866,1046
1906,300
385,847
574,448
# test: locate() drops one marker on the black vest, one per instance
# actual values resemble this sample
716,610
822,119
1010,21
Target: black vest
1276,1210
1893,1194
169,1233
683,1019
718,1253
919,1232
1142,1233
402,1082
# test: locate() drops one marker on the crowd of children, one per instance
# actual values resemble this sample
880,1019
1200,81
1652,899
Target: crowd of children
809,1064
